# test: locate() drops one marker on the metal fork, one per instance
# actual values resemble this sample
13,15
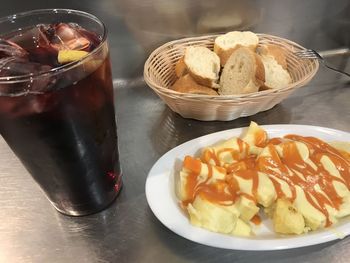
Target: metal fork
312,54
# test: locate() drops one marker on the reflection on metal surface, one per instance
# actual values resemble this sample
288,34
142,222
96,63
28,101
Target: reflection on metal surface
171,129
336,25
128,83
155,21
335,52
165,133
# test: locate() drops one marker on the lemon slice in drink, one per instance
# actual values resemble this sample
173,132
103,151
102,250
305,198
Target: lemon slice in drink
66,56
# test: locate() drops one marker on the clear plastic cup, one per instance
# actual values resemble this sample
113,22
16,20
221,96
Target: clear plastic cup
59,119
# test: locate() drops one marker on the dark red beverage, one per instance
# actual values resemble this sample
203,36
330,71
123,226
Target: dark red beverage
61,123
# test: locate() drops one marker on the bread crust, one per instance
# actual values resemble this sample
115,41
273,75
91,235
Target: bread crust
224,54
226,44
277,52
180,67
259,71
203,80
186,84
256,80
273,53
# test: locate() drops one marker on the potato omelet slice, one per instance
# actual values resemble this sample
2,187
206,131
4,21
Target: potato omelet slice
226,152
266,193
256,137
217,218
247,208
286,218
195,166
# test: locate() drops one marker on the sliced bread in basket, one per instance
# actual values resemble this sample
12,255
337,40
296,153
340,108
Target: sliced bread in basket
275,64
202,64
243,73
186,84
224,45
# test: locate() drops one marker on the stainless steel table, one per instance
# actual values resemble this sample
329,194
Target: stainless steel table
32,231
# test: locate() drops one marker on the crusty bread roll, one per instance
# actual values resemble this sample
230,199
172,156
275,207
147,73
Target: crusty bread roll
225,45
203,65
275,64
186,84
242,73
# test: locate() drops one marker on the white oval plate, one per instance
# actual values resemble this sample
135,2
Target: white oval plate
160,193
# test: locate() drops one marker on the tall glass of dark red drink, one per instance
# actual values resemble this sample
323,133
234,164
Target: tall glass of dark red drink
56,106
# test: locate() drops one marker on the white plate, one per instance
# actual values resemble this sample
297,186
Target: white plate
161,197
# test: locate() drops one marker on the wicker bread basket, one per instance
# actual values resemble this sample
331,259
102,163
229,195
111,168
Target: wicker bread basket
159,74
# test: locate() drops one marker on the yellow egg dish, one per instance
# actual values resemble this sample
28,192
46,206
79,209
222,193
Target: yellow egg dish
301,183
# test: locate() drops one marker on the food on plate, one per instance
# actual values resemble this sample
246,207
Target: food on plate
238,62
343,147
301,183
243,73
217,218
286,218
224,45
187,84
275,64
203,65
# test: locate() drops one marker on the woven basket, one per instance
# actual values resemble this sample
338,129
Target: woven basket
159,74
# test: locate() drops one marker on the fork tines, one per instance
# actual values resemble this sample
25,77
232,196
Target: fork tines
312,54
307,53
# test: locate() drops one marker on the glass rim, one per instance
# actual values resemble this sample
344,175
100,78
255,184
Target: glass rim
65,67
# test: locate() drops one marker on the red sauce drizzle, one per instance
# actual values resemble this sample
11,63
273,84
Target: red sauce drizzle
208,156
260,138
256,220
220,192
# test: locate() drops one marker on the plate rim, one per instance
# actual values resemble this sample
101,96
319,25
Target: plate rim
325,235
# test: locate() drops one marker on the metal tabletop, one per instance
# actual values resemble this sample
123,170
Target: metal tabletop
30,228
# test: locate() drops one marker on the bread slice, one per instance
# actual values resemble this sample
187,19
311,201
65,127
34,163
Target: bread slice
243,73
203,65
180,67
275,64
225,45
275,51
186,84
